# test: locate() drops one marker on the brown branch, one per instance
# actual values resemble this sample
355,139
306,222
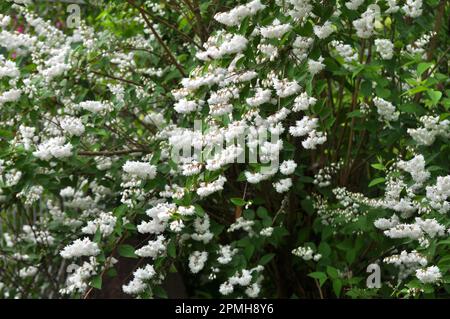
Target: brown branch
158,38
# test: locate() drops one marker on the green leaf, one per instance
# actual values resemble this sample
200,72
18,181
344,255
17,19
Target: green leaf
172,249
422,67
96,282
435,96
378,166
238,201
376,181
332,272
337,286
248,251
320,276
127,251
266,259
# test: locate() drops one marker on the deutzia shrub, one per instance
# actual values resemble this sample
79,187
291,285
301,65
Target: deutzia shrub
259,148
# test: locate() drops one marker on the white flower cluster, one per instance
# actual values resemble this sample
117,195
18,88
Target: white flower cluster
365,25
78,279
432,128
385,48
140,169
303,102
285,88
95,106
140,280
413,8
417,230
306,253
184,106
386,110
226,254
288,167
72,125
276,30
354,4
324,175
29,271
307,126
218,46
301,9
283,185
160,215
11,95
301,47
324,31
104,223
415,167
314,66
407,263
153,248
32,194
429,275
439,194
345,51
261,96
54,147
206,189
236,15
243,279
79,248
197,261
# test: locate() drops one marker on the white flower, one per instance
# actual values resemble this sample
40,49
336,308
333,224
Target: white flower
386,110
385,48
236,15
437,195
153,248
105,223
276,30
261,96
345,51
95,106
283,185
197,261
72,125
413,8
323,32
230,44
226,288
184,106
354,4
303,102
206,189
176,226
266,232
393,7
288,167
28,272
416,167
53,147
226,254
67,192
10,96
315,67
79,248
140,169
429,275
365,25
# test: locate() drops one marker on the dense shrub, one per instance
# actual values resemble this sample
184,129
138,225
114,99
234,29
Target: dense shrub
332,114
